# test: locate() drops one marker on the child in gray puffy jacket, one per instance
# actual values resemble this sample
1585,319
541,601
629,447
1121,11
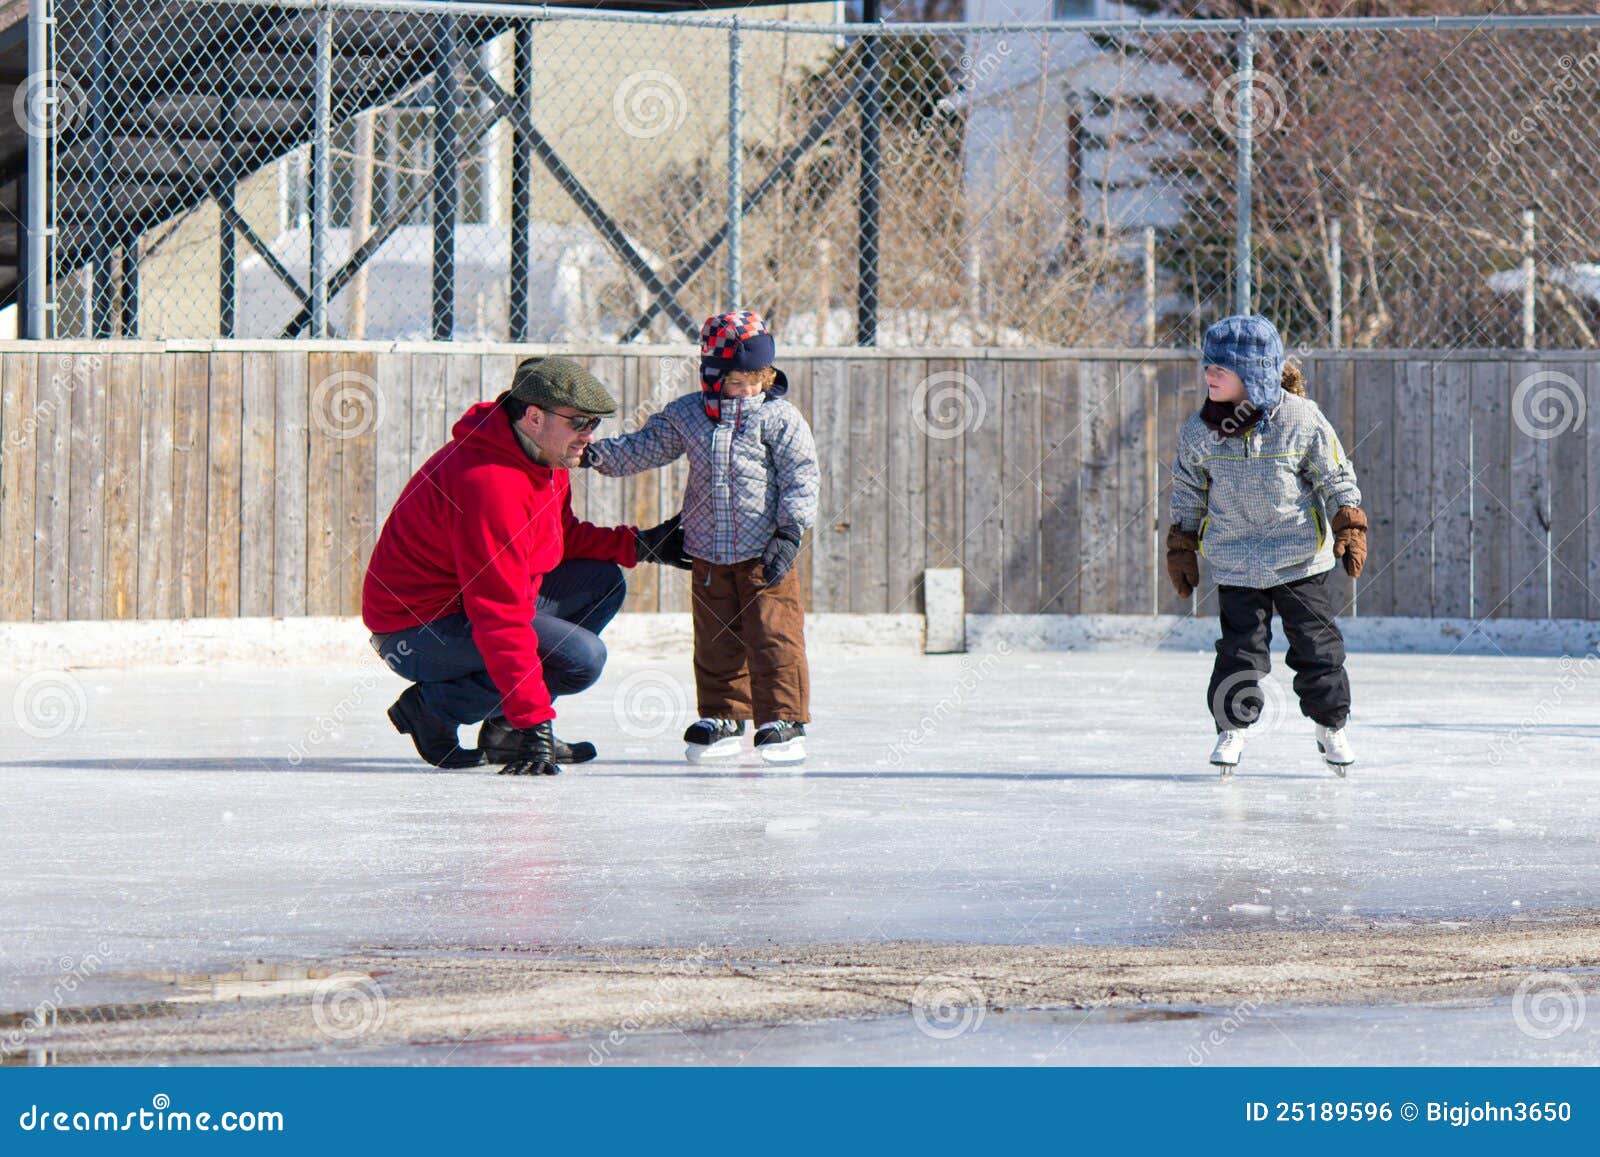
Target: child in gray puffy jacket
751,495
1259,482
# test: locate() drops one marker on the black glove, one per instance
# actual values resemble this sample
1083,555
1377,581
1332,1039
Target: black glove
586,459
664,544
779,555
532,751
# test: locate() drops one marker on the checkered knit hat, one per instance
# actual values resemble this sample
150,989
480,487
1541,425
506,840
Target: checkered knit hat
737,340
1251,348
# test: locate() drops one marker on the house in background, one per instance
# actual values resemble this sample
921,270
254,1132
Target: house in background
1071,120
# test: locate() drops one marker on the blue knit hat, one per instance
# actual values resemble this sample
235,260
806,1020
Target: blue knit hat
1251,348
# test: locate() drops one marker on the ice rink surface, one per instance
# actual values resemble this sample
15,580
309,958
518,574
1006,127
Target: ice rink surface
195,819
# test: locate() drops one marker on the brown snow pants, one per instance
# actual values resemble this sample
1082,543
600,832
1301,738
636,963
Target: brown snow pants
749,644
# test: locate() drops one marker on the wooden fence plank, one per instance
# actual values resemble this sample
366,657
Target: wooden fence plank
799,375
1172,410
1413,468
1097,523
190,455
88,380
1335,393
1060,470
1451,564
1528,501
222,486
324,495
868,513
1491,468
394,432
122,487
605,494
52,464
1135,525
1021,457
905,486
641,493
361,416
291,441
945,514
1592,503
1373,445
158,586
429,429
19,422
977,401
258,459
1570,434
830,557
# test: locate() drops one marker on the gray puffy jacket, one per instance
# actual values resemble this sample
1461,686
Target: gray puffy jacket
1262,501
750,473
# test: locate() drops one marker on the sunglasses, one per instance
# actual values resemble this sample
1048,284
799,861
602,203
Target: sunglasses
580,423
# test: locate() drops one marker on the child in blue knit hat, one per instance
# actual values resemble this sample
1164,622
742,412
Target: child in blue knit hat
1259,482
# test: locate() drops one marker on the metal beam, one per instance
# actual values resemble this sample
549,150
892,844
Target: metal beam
521,179
446,191
680,277
604,223
321,177
869,189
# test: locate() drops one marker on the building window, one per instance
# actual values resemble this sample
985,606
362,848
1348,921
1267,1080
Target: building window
1072,10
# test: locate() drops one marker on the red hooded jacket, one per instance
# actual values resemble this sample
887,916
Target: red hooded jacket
476,530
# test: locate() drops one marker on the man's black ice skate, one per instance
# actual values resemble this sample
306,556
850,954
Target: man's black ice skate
781,742
435,738
712,739
496,739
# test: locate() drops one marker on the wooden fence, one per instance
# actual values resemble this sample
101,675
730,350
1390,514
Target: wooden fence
224,479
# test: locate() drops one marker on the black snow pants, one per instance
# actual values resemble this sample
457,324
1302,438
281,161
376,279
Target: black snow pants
1316,652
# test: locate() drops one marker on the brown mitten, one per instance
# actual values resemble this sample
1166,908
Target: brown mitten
1350,539
1183,563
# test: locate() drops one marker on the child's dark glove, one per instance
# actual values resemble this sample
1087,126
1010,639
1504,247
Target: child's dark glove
1350,539
779,555
664,544
1183,560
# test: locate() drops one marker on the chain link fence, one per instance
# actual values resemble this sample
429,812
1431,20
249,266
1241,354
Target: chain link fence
490,172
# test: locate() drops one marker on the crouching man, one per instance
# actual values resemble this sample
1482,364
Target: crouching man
487,592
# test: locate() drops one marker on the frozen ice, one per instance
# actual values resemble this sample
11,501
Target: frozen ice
194,819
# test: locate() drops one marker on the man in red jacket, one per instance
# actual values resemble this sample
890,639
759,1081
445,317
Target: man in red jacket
487,592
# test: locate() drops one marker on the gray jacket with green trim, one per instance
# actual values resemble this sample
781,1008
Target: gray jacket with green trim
1262,501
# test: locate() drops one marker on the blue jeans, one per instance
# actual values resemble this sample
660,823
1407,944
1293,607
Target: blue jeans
576,601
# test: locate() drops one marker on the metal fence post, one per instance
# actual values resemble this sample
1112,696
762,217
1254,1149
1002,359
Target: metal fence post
1247,80
1530,283
868,189
227,274
446,99
41,26
321,182
521,177
1149,285
1335,283
735,167
102,300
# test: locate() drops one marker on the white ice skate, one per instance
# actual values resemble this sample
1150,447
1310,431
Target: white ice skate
712,739
1225,755
1335,748
781,742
